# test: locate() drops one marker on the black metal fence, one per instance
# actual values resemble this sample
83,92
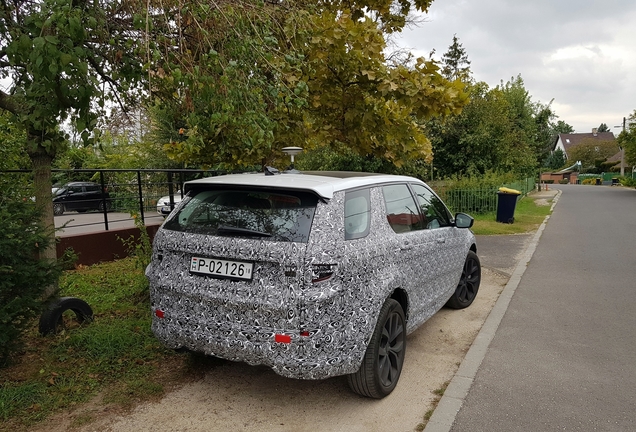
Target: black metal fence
130,191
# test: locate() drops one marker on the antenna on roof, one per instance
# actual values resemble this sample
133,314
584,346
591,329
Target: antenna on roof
292,151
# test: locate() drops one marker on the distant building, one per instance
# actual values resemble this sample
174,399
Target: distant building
566,141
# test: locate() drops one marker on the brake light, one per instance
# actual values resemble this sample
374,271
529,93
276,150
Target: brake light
282,338
322,272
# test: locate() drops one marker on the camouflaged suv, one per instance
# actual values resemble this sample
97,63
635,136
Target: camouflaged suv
312,274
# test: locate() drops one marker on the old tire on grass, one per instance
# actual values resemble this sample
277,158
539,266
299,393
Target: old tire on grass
382,363
51,318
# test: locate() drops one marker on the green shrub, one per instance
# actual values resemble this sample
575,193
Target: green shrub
564,181
589,181
23,276
627,181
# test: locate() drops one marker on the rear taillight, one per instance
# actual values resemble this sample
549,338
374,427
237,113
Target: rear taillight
322,272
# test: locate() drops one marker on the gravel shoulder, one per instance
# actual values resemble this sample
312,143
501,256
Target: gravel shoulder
238,397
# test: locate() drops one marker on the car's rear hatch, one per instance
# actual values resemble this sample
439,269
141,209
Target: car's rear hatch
228,264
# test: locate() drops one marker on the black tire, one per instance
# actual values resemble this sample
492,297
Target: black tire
51,318
100,206
58,209
382,363
468,286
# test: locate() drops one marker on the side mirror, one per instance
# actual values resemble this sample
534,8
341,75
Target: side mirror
462,220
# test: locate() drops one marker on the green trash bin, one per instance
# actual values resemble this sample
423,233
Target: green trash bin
506,203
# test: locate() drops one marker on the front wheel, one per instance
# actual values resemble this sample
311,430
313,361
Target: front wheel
382,363
468,286
58,209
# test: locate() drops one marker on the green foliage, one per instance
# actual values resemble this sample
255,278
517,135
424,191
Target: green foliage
603,128
485,136
139,248
344,159
561,127
23,276
477,194
627,139
455,63
528,217
628,182
73,366
592,154
13,139
555,160
251,79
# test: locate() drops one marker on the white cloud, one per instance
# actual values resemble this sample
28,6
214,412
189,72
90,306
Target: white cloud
581,54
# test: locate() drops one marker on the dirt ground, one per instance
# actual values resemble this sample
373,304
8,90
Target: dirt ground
237,397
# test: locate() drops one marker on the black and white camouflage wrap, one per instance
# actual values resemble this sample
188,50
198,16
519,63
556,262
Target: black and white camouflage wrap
238,320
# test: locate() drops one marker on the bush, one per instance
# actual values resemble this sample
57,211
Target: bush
23,277
564,181
627,181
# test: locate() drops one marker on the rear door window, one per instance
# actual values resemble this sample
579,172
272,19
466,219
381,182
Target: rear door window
278,215
357,216
401,211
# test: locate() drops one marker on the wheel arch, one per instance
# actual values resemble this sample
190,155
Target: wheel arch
402,298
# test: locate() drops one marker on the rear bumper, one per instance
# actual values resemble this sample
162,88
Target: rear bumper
316,355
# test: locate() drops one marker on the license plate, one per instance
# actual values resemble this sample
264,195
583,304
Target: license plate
222,268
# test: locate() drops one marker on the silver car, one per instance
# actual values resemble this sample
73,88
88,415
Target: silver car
313,274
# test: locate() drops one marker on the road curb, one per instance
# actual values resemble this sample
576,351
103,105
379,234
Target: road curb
449,405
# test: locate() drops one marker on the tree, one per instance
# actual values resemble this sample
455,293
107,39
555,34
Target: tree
500,129
562,127
592,153
627,139
455,63
60,57
556,160
241,82
603,128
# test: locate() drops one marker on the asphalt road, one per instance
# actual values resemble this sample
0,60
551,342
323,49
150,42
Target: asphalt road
72,223
564,355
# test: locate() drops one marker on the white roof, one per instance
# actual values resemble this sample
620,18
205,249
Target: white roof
324,184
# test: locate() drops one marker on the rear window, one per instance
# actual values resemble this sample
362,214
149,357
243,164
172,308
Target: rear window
279,215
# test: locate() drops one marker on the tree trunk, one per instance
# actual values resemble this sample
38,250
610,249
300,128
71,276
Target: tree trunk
42,184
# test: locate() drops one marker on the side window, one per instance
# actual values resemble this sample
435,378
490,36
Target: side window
75,189
434,211
357,214
401,210
92,188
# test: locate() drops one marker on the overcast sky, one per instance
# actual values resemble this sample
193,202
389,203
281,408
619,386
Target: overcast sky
581,53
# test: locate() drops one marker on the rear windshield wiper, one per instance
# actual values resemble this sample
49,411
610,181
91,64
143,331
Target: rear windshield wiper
224,229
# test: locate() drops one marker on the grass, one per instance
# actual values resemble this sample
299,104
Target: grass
116,355
438,396
528,217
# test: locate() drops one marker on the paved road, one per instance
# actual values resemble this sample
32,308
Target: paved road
72,223
564,355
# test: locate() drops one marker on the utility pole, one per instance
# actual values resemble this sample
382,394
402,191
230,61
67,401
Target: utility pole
622,150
